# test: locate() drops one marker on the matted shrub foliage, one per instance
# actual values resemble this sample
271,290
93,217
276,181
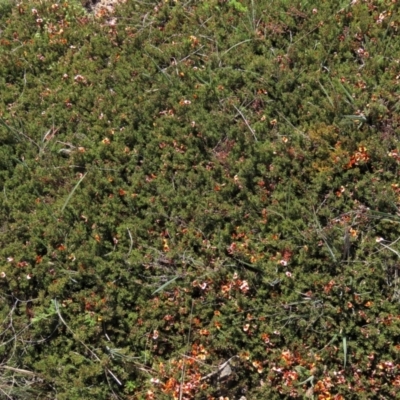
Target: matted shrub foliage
200,200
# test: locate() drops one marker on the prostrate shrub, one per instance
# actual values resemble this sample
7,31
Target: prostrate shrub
199,200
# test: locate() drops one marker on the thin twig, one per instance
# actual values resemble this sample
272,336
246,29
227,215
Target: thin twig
188,341
245,121
20,371
82,343
131,243
392,250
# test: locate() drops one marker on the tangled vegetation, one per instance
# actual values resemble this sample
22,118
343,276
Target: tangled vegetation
200,200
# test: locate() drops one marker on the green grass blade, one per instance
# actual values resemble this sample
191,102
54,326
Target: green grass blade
72,192
380,214
327,95
360,118
348,95
319,230
3,123
344,351
235,45
162,287
329,343
309,379
159,69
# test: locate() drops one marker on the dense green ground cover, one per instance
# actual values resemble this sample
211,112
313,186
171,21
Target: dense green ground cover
187,183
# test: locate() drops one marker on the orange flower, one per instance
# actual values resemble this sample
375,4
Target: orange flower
287,356
396,381
165,245
258,365
265,338
353,232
